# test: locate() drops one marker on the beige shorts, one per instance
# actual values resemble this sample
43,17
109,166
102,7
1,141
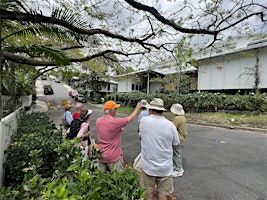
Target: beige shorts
107,167
164,184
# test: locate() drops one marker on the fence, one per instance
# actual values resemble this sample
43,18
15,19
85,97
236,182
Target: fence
8,126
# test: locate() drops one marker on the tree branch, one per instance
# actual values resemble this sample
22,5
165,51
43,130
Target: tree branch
36,18
20,59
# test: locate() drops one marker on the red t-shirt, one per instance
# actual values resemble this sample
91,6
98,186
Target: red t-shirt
76,115
109,130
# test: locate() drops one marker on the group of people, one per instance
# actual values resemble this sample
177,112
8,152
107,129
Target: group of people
80,117
161,139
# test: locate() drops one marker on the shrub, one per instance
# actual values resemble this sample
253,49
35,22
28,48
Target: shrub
200,101
42,165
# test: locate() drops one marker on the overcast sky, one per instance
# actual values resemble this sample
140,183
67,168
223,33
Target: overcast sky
129,23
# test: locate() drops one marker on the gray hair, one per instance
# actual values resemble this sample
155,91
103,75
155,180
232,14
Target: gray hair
107,111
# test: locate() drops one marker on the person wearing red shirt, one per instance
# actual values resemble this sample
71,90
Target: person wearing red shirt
109,131
79,107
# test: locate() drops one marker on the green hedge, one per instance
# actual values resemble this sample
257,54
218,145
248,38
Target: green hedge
41,164
199,102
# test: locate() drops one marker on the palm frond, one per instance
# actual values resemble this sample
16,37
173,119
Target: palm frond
49,31
45,52
70,17
13,5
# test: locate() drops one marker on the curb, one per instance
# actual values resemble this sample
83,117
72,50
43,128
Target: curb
259,130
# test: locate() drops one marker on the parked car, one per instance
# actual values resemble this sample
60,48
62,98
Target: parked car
73,93
80,98
48,89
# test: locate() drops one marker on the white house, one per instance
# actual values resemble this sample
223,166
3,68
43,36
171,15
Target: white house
242,67
111,86
140,81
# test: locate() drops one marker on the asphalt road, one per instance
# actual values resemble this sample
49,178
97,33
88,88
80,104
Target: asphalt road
219,164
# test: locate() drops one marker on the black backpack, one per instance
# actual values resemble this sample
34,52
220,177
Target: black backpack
74,128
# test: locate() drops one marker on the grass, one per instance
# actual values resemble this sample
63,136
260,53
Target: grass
217,118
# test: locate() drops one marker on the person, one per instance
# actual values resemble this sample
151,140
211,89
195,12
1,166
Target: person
143,113
83,131
109,131
67,116
79,107
180,123
158,138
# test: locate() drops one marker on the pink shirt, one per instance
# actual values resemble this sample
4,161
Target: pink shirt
83,130
109,130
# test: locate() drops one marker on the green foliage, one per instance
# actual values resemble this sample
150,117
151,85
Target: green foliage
42,165
199,102
85,184
35,133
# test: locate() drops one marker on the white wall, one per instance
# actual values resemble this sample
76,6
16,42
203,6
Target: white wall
8,125
263,69
232,71
113,88
125,85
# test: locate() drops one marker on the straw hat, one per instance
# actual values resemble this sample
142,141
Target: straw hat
156,104
177,109
67,106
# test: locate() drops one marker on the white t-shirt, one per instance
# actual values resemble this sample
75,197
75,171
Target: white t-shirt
158,135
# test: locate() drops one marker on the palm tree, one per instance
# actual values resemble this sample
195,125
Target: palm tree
36,41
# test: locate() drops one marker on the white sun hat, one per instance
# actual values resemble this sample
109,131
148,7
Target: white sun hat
156,104
177,109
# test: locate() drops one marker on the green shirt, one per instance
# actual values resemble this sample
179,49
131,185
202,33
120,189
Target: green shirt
180,123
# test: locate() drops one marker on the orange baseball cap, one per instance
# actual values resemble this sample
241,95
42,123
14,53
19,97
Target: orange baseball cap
111,104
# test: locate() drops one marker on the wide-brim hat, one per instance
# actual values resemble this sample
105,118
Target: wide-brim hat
85,113
177,109
156,104
111,104
67,106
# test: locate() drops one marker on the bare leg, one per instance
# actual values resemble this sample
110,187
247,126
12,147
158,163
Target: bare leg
149,196
89,151
162,197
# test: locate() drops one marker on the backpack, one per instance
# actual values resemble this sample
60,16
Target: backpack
74,128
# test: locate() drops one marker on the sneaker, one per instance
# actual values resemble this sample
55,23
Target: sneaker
177,173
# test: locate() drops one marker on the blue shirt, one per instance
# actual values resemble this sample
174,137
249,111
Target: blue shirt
143,114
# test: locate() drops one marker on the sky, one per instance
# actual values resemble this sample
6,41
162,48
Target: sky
129,22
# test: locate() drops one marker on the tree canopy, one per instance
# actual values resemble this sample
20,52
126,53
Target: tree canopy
51,33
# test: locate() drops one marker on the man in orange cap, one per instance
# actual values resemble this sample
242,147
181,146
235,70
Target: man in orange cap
109,130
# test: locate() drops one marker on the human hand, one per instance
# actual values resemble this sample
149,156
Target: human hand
139,105
88,133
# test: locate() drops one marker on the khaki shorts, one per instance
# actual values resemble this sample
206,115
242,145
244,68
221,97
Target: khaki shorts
107,167
164,184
